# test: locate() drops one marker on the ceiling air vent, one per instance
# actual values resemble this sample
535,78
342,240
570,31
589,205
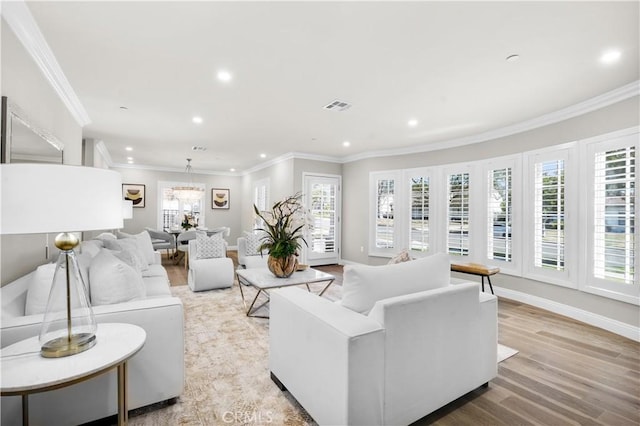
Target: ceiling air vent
338,106
198,148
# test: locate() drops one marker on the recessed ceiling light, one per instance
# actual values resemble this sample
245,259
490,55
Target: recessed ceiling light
412,123
346,143
128,148
263,155
224,75
130,161
130,158
512,58
232,169
197,119
610,56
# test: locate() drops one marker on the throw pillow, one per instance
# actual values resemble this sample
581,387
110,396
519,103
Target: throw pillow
130,258
39,288
120,235
146,247
364,285
106,236
403,256
209,247
131,245
113,281
252,243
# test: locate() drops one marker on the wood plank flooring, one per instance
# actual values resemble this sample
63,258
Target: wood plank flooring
566,372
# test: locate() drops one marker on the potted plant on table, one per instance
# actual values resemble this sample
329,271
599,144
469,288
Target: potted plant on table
283,229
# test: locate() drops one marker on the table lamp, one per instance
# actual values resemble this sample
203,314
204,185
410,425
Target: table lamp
46,198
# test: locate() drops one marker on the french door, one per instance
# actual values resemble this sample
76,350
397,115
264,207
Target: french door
322,198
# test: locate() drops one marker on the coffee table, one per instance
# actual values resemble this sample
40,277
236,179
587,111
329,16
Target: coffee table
263,280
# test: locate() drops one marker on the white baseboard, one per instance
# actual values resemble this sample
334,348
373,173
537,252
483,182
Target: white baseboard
581,315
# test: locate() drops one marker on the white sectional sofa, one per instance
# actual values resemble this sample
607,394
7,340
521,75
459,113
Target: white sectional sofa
156,373
388,353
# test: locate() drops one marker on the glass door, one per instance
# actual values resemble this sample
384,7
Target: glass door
322,198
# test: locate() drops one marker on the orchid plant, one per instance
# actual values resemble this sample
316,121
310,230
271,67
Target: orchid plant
283,227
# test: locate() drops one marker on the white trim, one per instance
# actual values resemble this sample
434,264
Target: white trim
19,18
104,152
614,326
173,169
609,98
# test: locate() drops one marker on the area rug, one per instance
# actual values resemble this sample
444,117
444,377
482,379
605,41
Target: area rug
227,374
505,352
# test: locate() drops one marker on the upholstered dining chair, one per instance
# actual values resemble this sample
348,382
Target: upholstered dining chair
162,240
182,244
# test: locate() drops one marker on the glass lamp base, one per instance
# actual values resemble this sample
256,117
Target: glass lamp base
63,346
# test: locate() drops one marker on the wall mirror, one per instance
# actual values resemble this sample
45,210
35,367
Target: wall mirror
22,141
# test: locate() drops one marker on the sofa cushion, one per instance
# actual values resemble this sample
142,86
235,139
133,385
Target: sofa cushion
210,247
39,288
364,285
146,247
113,281
90,247
157,286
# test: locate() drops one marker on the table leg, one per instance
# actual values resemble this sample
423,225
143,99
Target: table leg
25,410
326,287
123,413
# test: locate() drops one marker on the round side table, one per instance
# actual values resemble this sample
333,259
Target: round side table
23,371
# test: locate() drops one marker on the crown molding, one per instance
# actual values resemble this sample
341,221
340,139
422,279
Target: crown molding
19,18
104,152
609,98
172,169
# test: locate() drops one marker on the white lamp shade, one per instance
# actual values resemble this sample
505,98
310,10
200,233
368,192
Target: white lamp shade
47,198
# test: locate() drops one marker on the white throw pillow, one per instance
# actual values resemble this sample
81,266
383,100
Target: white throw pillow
90,247
209,247
39,288
113,281
106,236
364,285
146,247
253,242
132,247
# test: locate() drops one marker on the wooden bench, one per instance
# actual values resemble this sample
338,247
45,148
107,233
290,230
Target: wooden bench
476,269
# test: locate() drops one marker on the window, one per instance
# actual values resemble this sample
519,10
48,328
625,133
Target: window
384,230
610,193
614,218
260,199
173,210
419,229
549,212
458,214
500,215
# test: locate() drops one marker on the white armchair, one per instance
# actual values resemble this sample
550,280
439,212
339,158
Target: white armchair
255,260
411,355
207,274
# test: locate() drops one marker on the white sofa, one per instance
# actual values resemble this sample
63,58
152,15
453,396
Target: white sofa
250,260
155,374
410,355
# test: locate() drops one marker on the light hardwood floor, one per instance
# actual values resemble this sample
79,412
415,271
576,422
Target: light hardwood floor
565,373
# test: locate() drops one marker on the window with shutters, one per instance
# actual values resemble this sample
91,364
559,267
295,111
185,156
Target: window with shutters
172,210
610,193
260,199
549,213
458,214
419,211
500,215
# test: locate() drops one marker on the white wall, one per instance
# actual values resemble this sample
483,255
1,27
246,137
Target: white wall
147,216
24,84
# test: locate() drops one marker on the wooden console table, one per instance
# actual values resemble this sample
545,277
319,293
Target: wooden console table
476,269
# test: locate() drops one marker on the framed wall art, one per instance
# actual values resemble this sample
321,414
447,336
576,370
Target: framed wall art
219,198
135,193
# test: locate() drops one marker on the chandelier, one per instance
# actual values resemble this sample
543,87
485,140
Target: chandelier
189,192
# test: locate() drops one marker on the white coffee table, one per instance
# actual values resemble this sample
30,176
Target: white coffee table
24,371
263,280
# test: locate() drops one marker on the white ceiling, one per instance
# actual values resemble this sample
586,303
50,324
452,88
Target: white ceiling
442,63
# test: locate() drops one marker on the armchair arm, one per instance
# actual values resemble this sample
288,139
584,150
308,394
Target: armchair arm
330,358
158,235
